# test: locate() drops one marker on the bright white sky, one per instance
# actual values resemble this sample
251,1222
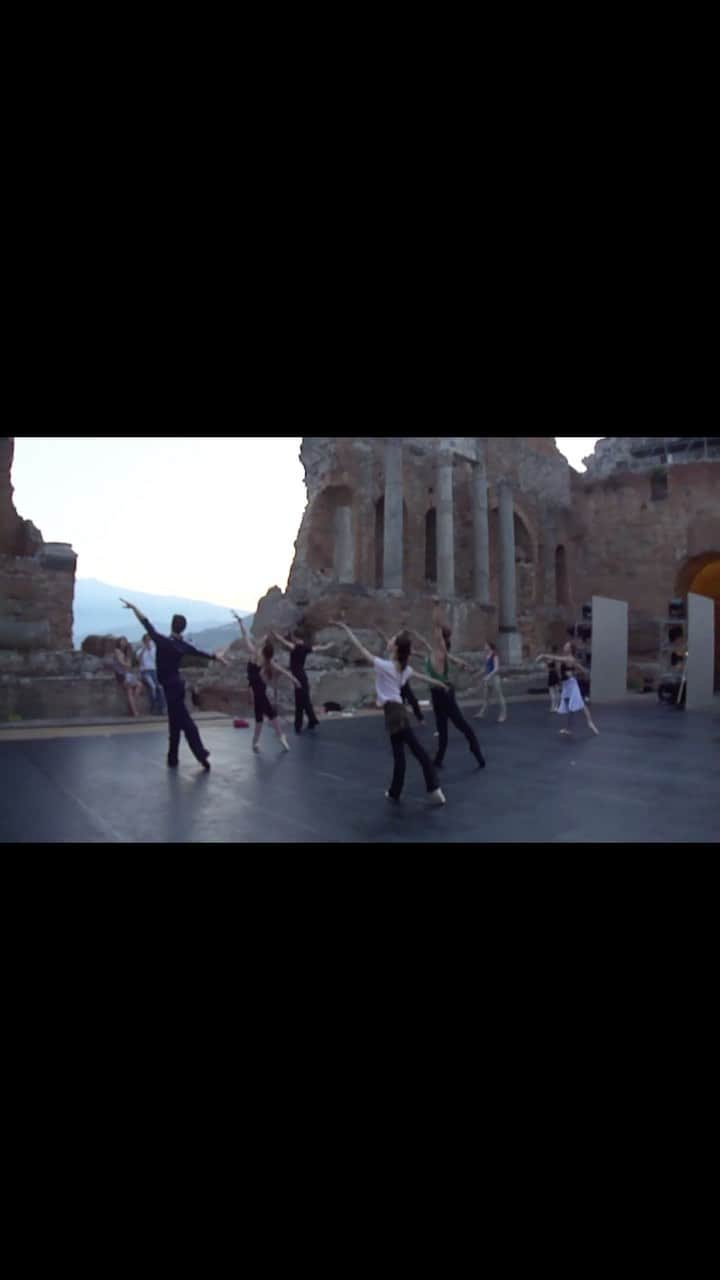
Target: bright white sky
208,518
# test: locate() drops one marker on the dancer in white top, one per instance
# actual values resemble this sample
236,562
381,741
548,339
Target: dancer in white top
571,699
390,677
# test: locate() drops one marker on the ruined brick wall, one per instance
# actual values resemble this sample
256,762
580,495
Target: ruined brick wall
633,545
36,599
350,473
37,579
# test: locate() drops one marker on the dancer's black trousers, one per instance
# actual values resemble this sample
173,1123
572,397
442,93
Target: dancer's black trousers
303,704
446,708
399,741
180,721
408,695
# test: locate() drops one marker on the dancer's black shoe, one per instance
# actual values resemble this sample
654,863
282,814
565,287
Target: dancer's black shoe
172,764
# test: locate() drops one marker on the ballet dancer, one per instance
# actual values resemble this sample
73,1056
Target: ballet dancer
407,692
491,682
390,676
170,650
553,681
261,676
298,653
571,699
443,698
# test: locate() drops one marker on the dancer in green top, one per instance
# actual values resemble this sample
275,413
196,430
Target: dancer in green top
443,700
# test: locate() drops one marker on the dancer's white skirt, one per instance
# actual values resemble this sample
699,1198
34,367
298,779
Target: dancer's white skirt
571,698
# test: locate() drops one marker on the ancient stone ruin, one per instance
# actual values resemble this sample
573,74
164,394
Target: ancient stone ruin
512,539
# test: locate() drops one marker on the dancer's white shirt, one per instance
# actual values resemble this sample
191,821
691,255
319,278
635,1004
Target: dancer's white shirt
389,681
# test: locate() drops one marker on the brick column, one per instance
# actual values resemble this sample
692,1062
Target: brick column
509,642
481,576
393,539
445,525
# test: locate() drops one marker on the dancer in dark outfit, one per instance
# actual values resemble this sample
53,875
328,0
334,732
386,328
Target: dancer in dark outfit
407,693
443,699
261,676
299,651
170,650
390,675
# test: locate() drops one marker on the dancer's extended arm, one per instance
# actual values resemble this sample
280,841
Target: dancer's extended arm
370,657
422,640
162,640
248,640
418,675
287,644
281,670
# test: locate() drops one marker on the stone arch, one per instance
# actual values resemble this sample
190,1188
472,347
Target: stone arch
331,543
431,546
561,576
701,574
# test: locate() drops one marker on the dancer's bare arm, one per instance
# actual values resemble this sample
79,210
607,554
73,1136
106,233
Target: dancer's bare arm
418,675
320,648
459,663
248,641
370,657
281,640
422,640
288,674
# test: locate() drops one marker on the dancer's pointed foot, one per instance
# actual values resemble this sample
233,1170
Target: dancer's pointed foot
284,742
172,763
256,747
565,733
395,799
436,797
595,729
502,719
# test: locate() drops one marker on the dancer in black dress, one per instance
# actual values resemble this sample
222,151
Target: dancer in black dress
299,651
443,698
262,675
553,681
390,675
170,650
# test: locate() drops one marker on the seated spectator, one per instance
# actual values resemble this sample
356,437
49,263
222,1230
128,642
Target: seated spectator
122,666
148,675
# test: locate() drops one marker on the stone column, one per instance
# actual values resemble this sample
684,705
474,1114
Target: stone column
445,525
393,539
549,544
509,641
344,548
480,527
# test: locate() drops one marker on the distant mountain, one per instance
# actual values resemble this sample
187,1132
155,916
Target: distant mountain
98,612
218,637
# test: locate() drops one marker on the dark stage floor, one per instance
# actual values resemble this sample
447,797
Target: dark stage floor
652,775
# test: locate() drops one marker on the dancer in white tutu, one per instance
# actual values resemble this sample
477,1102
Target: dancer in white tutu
571,699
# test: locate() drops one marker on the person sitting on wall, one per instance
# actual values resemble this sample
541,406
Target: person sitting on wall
122,666
148,675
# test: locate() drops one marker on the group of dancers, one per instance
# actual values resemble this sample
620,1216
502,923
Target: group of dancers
392,686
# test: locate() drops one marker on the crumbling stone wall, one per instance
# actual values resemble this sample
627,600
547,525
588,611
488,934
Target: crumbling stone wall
345,481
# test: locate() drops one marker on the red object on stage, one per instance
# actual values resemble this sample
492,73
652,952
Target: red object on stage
241,724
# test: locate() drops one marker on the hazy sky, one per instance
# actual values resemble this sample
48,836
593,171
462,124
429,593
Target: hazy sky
210,518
